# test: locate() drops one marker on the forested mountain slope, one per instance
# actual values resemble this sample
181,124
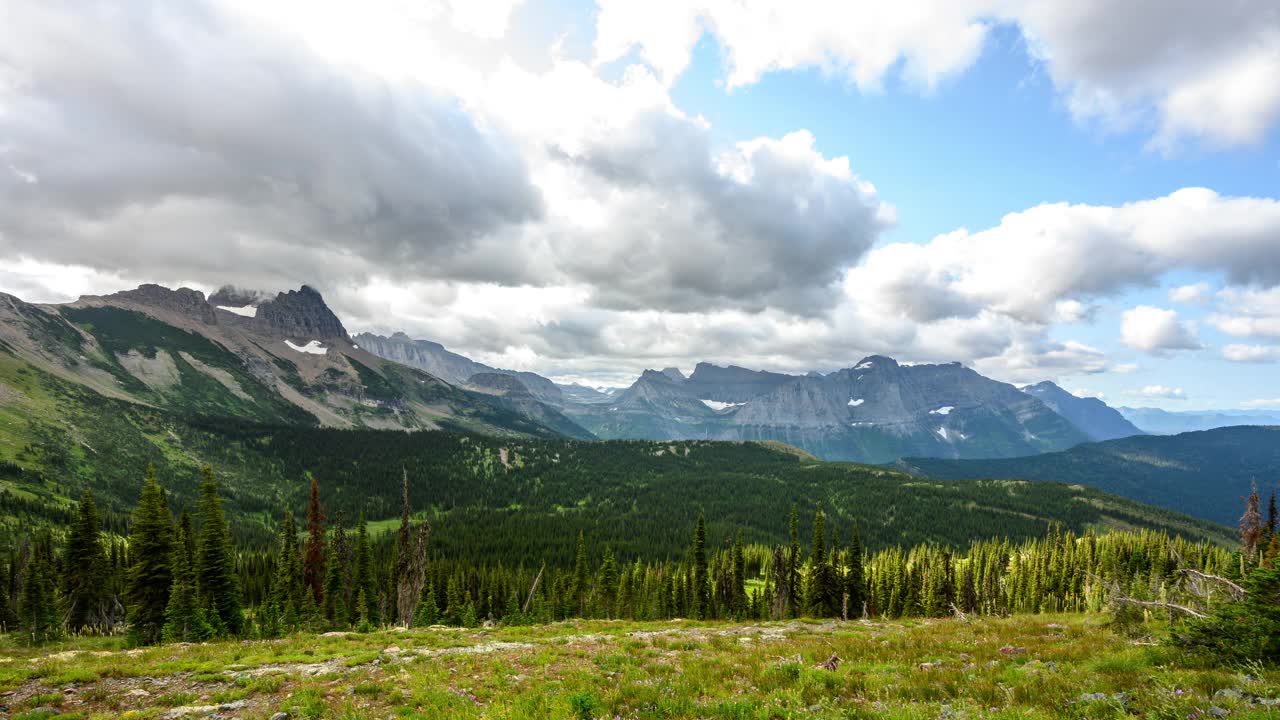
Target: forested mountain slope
1204,474
499,498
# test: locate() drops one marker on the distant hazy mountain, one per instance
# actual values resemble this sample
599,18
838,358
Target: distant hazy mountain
517,396
1164,422
450,366
1206,474
732,384
1097,419
876,411
577,393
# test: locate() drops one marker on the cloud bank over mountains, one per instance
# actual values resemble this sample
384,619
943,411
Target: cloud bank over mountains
442,171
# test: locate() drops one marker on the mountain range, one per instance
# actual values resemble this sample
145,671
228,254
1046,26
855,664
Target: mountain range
1155,421
287,358
280,359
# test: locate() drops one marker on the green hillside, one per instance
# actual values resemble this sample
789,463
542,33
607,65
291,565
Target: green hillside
1204,474
501,498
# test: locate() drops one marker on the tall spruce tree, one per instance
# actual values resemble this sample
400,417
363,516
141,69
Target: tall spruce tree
608,583
823,588
738,574
365,581
337,582
793,564
38,609
184,617
854,578
150,575
85,587
701,582
287,589
314,555
581,577
216,578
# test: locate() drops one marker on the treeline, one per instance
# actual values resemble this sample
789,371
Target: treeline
180,579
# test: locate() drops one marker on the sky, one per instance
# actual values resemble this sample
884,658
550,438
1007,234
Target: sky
1085,192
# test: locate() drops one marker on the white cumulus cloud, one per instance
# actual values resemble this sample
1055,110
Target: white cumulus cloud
1156,330
1183,69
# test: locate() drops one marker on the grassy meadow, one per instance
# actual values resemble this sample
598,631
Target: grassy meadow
1027,666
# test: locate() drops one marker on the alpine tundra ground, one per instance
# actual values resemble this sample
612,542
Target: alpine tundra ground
1067,666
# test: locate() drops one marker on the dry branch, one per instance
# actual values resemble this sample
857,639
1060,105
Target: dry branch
1236,591
1162,605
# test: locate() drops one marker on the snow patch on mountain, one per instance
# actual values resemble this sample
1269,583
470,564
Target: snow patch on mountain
246,311
720,406
855,403
944,410
311,348
864,366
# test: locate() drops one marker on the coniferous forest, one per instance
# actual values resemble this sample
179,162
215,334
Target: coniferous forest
178,576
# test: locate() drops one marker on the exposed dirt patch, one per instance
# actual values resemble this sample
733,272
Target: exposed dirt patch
157,373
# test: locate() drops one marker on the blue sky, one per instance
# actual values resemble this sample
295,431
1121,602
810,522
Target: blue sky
586,188
997,139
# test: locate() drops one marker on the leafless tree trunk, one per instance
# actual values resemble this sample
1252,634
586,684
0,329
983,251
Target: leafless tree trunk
411,567
533,588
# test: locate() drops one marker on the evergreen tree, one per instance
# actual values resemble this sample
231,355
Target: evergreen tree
313,574
701,586
428,610
184,616
581,576
738,579
287,590
337,582
37,610
215,560
85,586
854,577
608,584
823,588
365,582
363,623
150,575
793,563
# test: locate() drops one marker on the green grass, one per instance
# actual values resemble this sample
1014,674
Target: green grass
1064,666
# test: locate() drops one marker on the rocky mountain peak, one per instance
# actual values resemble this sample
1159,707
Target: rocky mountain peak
301,314
674,374
183,301
658,376
872,361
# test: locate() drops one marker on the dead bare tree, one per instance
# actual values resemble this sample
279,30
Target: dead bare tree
1236,592
533,588
411,566
1157,604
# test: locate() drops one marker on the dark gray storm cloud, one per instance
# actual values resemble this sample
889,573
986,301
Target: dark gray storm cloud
180,139
769,223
